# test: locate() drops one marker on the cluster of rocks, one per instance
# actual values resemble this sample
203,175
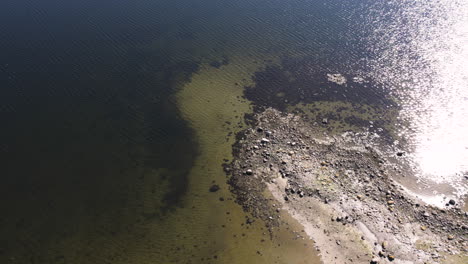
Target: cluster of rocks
339,188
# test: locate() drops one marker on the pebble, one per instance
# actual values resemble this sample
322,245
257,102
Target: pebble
384,244
249,172
264,140
452,202
214,188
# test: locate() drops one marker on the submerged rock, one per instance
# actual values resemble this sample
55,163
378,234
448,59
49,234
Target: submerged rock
214,188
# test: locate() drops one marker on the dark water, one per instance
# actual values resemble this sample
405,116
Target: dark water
87,113
93,144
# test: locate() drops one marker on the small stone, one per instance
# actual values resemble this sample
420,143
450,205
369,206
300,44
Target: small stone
325,121
264,140
249,172
452,202
374,261
450,237
391,257
423,228
399,154
426,214
390,202
359,196
384,244
214,188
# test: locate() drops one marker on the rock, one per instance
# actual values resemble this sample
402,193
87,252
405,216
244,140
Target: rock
391,257
452,202
214,188
399,154
264,141
374,261
325,121
426,214
259,129
390,202
423,228
249,172
450,237
384,245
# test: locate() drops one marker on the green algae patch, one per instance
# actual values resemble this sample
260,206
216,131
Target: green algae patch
336,117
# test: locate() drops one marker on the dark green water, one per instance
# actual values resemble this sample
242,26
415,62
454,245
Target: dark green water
93,146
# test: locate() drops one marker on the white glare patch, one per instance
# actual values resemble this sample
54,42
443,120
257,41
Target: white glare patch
421,55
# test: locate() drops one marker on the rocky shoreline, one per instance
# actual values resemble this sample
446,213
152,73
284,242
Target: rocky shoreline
341,190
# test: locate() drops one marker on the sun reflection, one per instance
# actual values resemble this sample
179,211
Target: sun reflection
421,50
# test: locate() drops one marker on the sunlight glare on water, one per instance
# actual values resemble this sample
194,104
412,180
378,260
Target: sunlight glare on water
421,53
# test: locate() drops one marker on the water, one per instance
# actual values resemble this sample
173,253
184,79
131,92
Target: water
420,51
117,115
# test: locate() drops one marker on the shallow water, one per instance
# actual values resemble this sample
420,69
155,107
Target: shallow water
118,115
